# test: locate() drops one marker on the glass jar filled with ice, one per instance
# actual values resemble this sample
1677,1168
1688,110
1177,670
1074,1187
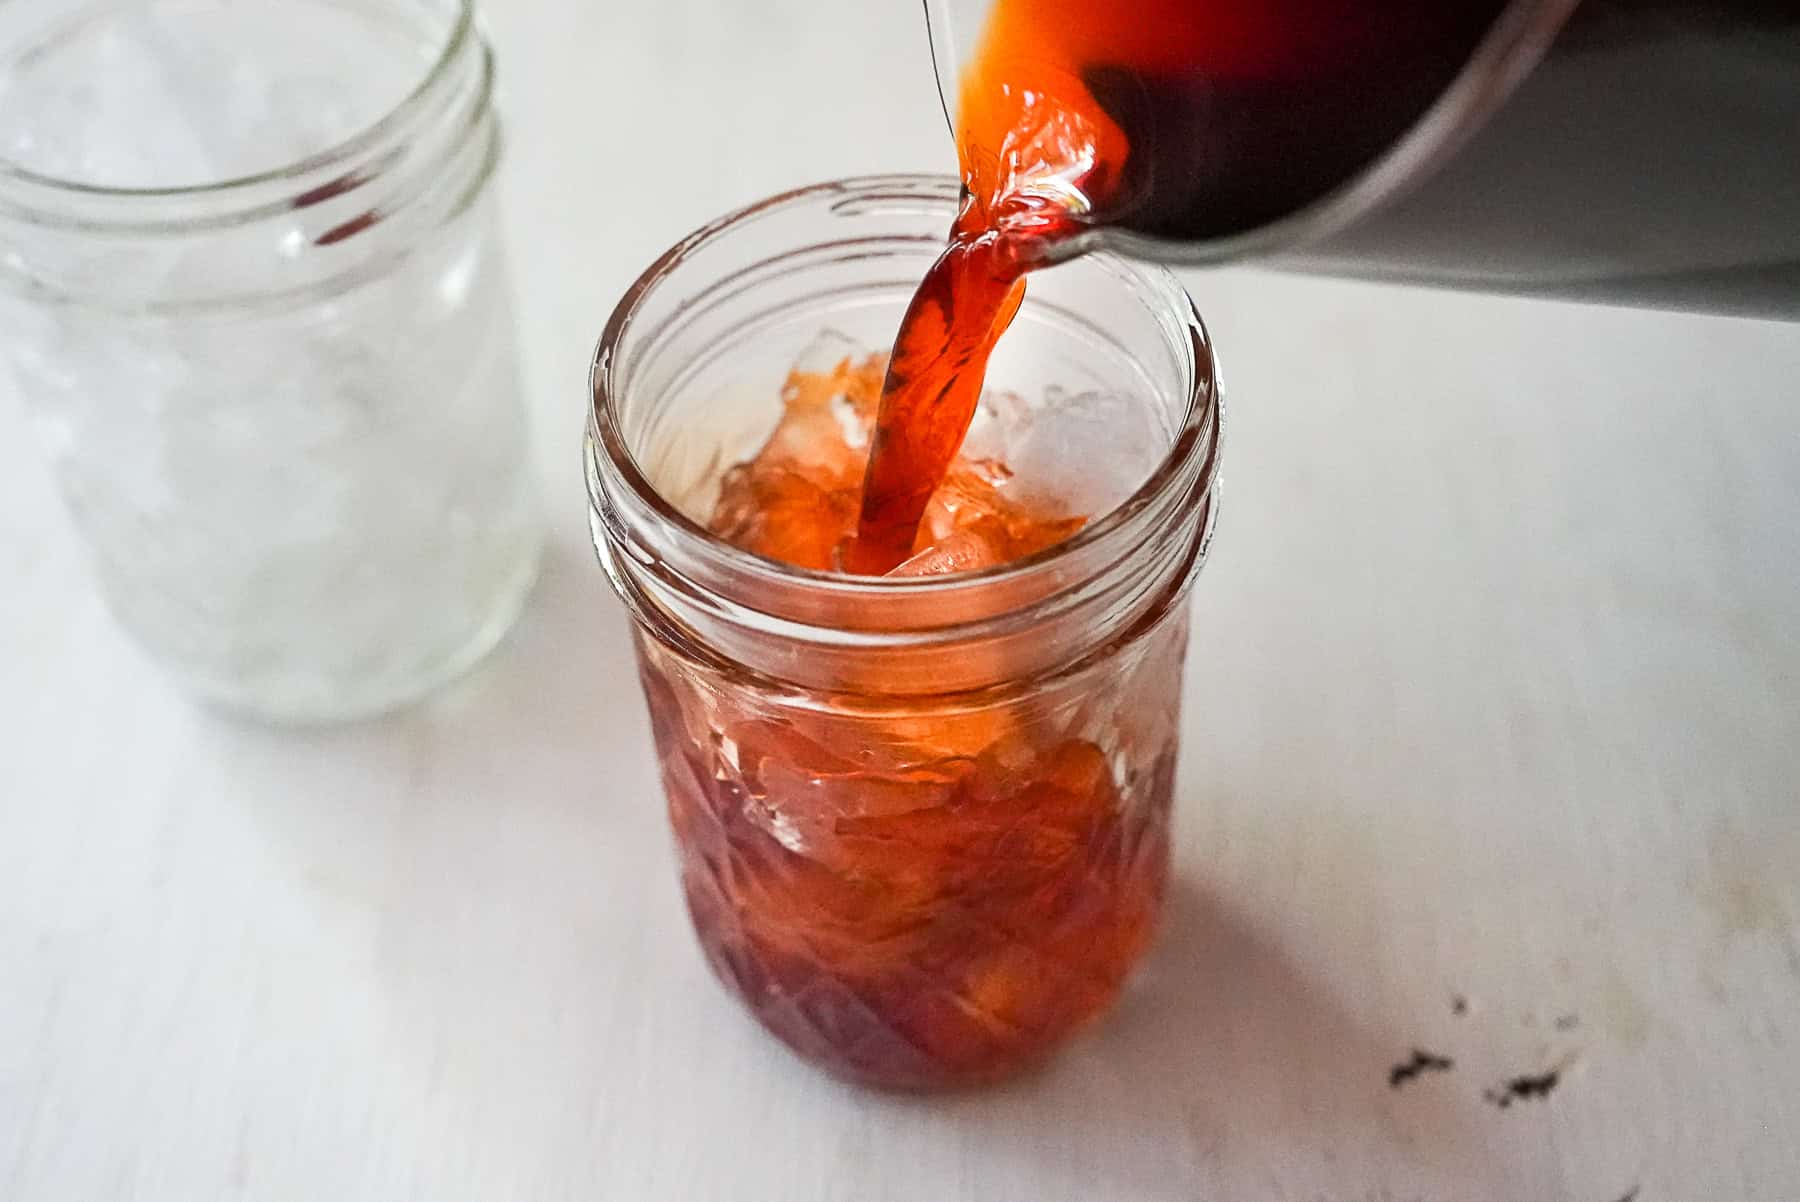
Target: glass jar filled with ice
921,816
254,299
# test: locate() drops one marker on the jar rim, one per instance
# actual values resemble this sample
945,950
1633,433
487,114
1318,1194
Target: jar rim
1190,461
238,196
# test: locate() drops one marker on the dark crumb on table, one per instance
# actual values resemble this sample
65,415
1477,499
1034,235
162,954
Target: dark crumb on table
1459,1005
1520,1089
1568,1022
1631,1194
1421,1062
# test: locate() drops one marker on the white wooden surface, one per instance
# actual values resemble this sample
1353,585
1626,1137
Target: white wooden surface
1495,692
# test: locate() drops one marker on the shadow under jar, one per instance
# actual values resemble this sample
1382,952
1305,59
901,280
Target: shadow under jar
922,823
254,297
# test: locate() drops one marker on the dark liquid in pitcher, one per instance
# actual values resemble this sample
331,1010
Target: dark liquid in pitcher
1651,157
1219,116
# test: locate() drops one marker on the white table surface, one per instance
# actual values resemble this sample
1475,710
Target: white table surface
1495,692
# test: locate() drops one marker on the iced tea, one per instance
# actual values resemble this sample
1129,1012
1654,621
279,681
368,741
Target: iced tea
917,742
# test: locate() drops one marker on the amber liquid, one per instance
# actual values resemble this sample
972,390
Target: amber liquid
932,386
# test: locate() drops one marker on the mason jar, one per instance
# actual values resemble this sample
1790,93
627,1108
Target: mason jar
922,823
255,300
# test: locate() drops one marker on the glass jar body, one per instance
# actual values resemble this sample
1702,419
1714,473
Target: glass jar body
285,411
922,824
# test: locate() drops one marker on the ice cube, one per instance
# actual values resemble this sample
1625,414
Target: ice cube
1085,453
828,409
997,422
964,551
163,94
827,352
